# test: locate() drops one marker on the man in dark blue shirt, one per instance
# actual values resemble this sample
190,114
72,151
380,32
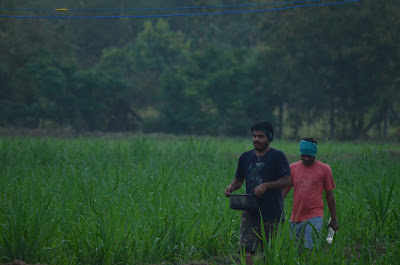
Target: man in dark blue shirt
266,171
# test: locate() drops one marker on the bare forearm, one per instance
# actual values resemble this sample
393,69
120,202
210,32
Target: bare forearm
330,199
281,183
274,185
285,191
235,185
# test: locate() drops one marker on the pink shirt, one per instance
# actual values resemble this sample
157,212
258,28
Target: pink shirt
309,183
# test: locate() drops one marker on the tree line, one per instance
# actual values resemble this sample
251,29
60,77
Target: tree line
330,71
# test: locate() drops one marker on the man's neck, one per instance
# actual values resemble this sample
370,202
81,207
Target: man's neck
315,161
261,153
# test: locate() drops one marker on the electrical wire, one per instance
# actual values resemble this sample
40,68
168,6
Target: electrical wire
181,15
156,8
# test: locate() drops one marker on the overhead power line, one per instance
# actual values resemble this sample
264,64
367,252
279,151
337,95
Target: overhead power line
157,8
178,15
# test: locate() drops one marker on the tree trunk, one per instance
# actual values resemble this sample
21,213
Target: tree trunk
395,114
332,124
386,123
280,119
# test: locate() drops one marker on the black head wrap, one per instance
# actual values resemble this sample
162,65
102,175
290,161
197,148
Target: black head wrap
264,130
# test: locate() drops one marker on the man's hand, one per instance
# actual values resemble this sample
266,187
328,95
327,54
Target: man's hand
260,189
228,191
334,224
235,184
281,183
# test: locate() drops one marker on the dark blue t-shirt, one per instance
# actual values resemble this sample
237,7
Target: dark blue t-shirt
272,166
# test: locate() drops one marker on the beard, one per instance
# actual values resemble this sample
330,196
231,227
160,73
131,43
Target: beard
260,147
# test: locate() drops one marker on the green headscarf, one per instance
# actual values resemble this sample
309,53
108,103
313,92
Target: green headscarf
308,148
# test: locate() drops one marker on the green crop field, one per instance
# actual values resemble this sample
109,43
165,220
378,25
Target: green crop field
159,200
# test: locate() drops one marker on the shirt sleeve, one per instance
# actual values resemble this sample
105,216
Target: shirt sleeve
240,170
291,177
285,168
329,184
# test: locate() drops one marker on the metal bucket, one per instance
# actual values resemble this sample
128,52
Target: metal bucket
243,201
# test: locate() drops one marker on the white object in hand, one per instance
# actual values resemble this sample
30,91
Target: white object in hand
329,237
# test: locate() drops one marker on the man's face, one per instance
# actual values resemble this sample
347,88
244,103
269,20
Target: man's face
307,160
260,141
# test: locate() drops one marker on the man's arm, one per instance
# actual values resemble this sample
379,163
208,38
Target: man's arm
278,184
330,199
285,191
235,185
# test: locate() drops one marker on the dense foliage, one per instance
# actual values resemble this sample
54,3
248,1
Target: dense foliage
151,201
330,70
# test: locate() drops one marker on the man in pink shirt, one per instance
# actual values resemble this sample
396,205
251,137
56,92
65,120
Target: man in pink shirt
310,178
